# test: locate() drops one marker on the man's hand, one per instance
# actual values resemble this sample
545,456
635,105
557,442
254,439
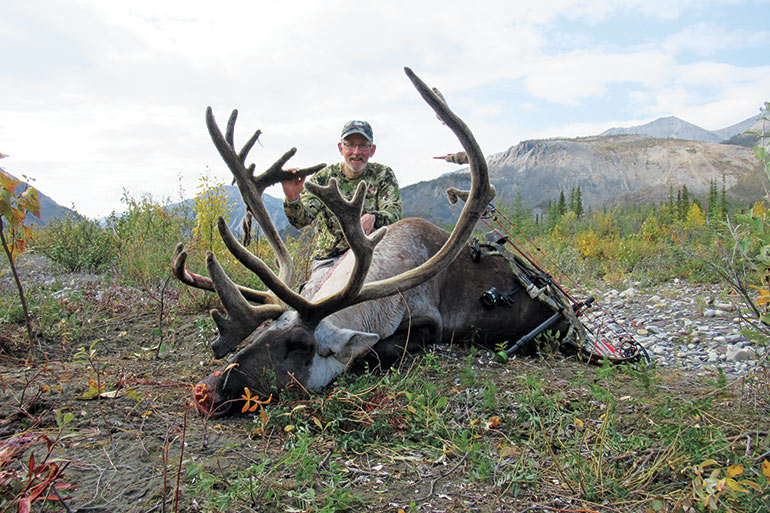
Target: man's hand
292,188
367,222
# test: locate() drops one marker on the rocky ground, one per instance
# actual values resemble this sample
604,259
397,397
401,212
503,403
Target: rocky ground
685,325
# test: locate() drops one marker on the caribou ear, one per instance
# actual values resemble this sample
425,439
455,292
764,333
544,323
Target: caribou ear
342,343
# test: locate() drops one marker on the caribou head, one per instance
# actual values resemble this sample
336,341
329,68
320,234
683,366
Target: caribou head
291,338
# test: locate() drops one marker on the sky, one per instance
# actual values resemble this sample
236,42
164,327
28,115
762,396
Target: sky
100,99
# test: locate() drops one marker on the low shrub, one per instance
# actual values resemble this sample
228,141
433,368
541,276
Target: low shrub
78,244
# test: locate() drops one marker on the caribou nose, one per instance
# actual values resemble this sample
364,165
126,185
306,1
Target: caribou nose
208,399
204,398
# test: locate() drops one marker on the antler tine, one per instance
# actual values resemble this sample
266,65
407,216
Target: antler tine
178,261
454,194
229,137
246,228
230,130
258,267
481,193
275,173
247,148
242,318
348,213
252,196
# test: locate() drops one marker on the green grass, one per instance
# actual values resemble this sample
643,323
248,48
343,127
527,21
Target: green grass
619,436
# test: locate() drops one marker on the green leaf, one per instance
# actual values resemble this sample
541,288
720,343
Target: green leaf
164,348
5,204
9,184
92,392
133,394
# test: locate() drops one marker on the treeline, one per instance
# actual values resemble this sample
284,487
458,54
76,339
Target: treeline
678,207
672,238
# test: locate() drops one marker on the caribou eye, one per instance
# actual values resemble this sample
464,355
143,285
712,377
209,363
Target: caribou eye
299,344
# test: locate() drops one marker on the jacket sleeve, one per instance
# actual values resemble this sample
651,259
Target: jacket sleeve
302,212
388,200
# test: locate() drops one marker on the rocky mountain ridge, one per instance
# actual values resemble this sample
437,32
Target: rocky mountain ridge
671,127
645,164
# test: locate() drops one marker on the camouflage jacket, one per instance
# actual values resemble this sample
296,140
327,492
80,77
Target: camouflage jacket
383,199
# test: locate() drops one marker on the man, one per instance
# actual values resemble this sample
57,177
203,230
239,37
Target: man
382,203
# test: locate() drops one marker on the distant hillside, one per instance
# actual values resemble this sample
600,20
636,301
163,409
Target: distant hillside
49,209
608,170
752,123
273,205
671,127
751,139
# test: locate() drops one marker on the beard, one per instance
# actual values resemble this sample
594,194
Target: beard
356,164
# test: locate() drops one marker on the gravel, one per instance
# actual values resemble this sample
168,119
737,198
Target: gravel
685,325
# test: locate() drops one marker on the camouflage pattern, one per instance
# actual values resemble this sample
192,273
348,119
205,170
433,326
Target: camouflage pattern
383,199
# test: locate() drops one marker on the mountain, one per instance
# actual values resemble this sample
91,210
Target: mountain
753,123
49,209
609,170
273,205
748,136
671,127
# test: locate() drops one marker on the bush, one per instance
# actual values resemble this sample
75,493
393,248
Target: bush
78,244
147,234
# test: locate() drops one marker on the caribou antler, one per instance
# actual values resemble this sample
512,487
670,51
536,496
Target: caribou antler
243,318
453,194
348,214
178,261
252,187
480,195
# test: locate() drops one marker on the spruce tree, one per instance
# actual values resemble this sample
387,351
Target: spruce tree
712,210
724,206
578,203
562,205
683,203
553,216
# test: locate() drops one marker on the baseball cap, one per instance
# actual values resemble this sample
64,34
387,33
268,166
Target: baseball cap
358,127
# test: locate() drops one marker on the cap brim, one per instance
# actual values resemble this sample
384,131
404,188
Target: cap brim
356,131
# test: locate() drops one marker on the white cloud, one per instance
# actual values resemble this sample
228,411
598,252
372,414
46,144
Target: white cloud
573,77
104,95
704,39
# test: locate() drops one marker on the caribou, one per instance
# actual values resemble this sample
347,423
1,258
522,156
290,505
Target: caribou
395,291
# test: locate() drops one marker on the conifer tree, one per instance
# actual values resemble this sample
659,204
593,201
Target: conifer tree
553,216
682,202
577,204
724,206
562,205
712,211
